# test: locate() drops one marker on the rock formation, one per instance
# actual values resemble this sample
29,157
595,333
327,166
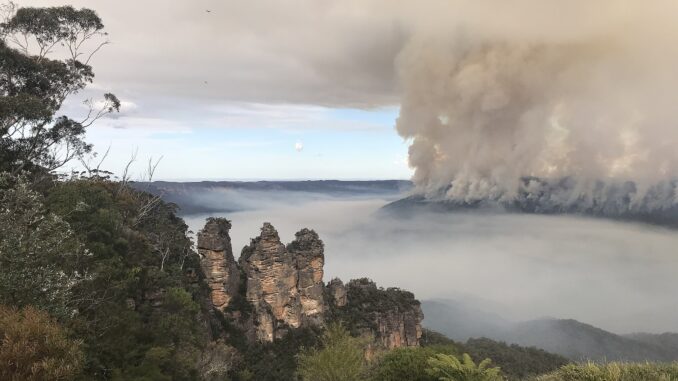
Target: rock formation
308,252
399,328
217,262
337,291
393,316
284,287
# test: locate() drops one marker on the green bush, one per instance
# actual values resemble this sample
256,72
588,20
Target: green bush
614,372
276,361
516,362
449,368
341,358
403,364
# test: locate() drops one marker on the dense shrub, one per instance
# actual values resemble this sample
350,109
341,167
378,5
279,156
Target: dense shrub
516,362
33,347
37,251
276,361
614,372
403,364
340,358
450,368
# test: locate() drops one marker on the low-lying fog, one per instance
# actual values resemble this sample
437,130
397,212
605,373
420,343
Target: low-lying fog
622,277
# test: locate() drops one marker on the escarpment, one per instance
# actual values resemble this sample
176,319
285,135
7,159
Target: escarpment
282,286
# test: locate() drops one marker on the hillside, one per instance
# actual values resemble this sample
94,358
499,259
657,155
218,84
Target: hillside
579,341
667,341
569,338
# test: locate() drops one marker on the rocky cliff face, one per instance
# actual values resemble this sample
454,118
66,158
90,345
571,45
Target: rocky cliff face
391,315
284,287
218,264
399,328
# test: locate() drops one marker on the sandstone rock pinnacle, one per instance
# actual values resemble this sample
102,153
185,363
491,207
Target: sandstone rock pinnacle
217,262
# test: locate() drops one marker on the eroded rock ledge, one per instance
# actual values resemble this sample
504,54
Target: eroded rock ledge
283,286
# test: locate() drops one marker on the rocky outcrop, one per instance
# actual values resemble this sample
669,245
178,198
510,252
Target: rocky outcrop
284,285
283,289
337,292
399,328
217,262
393,316
308,252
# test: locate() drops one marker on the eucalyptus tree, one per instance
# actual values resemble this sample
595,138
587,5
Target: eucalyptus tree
45,56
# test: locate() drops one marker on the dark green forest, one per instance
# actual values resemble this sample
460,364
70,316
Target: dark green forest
100,280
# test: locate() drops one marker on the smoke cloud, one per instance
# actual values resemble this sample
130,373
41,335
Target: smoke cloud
542,89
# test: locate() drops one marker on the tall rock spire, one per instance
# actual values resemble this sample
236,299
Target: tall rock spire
308,251
284,285
218,264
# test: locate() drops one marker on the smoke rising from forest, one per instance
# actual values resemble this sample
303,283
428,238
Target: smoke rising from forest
515,91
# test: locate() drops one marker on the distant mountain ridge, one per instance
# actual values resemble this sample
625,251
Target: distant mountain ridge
199,197
567,337
658,205
580,341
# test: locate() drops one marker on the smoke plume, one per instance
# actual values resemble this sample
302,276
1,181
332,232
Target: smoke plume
547,90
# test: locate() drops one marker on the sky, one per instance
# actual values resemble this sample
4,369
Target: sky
244,90
475,93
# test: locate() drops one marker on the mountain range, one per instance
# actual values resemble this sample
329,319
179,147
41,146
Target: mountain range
230,196
567,337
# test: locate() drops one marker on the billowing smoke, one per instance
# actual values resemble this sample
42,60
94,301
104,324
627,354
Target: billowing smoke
515,97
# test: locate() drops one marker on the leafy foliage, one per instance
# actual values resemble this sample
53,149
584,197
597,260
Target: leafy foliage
450,368
38,251
341,358
614,372
217,361
405,364
33,86
33,347
516,362
277,360
137,313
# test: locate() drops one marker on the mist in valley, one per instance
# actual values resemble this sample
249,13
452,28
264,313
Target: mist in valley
503,267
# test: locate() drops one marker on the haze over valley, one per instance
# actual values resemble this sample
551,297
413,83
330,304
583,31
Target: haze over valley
619,276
